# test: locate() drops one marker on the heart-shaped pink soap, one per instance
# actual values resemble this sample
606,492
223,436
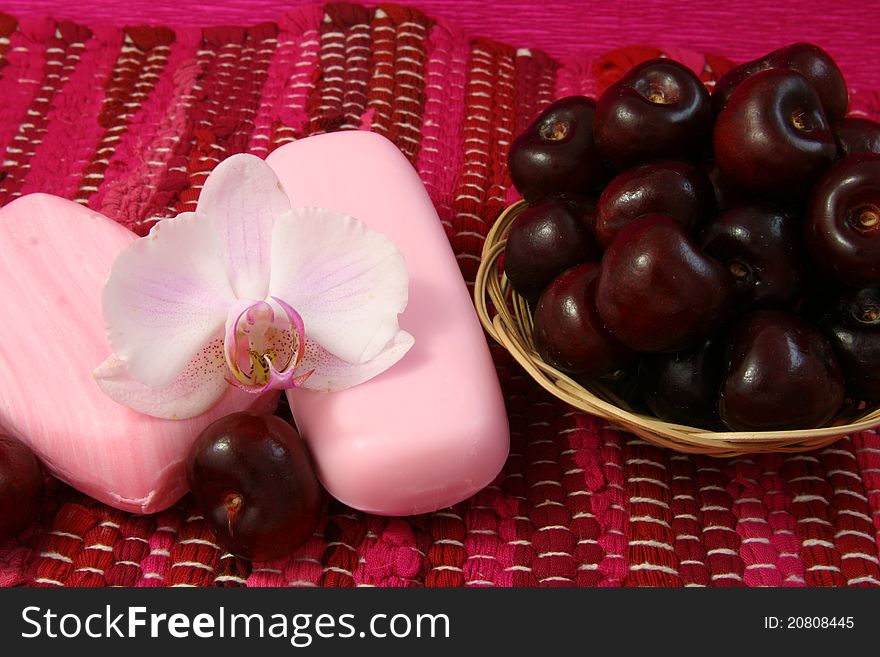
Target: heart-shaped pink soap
56,257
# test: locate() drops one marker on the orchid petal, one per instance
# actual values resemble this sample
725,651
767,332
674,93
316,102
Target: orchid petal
241,199
327,373
167,295
198,388
347,281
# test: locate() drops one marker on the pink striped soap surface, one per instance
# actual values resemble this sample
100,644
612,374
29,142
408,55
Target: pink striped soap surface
56,256
432,430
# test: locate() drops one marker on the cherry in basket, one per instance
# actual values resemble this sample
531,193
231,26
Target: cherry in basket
853,327
782,374
772,137
658,110
658,291
557,153
843,220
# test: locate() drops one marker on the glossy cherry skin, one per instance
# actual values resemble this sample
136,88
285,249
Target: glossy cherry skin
854,331
809,60
252,478
544,240
682,386
855,134
568,332
763,249
659,110
843,221
556,153
772,136
620,387
678,189
657,290
859,308
21,487
782,374
727,193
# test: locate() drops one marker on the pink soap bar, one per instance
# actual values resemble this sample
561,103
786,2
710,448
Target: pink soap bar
432,430
56,256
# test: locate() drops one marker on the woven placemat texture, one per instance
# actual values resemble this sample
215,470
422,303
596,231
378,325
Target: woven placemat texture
129,121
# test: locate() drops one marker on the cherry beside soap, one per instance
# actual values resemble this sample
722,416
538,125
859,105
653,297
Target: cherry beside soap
252,478
21,487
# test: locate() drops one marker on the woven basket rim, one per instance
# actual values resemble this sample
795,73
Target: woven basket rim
506,318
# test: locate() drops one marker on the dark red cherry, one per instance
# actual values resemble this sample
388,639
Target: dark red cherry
556,153
659,110
657,290
21,487
682,386
568,332
772,136
809,60
678,189
782,374
859,308
252,478
843,221
727,193
620,387
859,354
854,331
763,249
544,240
820,293
857,135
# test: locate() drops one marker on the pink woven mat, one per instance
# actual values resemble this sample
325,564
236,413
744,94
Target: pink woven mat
739,30
128,121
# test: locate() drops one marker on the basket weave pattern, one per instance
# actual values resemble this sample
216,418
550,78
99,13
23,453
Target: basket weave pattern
130,121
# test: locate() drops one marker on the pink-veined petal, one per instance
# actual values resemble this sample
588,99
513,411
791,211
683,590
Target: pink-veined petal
327,373
241,199
347,281
198,388
166,297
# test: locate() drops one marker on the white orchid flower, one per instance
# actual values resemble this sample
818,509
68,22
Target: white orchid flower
252,292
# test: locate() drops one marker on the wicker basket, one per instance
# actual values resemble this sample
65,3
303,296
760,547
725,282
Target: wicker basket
507,318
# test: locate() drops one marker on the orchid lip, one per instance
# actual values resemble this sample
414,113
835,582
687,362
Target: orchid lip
264,345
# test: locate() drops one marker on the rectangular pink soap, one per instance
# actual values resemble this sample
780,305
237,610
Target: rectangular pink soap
432,430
